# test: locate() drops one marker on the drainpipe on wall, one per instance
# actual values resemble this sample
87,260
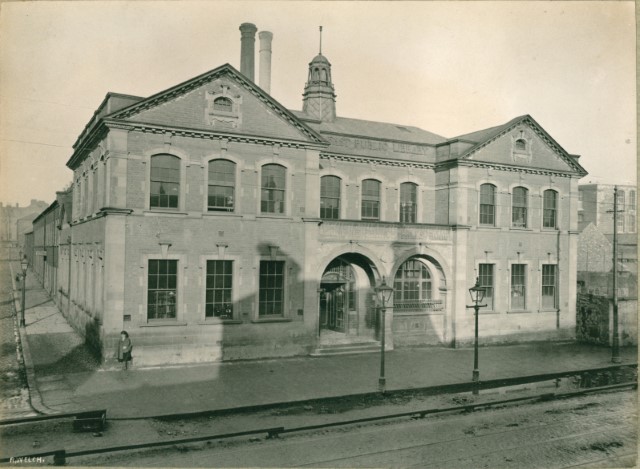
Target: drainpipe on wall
557,280
69,278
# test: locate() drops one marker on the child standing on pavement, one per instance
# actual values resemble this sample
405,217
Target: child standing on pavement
124,349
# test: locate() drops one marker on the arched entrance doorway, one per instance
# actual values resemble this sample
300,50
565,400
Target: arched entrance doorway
347,309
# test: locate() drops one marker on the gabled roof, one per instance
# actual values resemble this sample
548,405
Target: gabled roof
481,138
195,82
372,129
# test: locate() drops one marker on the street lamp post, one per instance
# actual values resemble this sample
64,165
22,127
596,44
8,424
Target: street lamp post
24,263
383,291
477,295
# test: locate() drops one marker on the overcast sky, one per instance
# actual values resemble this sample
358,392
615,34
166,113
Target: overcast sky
447,67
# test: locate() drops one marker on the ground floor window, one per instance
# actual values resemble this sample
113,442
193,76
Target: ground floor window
485,278
412,285
549,287
518,286
162,289
271,293
219,285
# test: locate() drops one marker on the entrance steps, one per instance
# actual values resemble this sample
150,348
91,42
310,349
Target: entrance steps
345,349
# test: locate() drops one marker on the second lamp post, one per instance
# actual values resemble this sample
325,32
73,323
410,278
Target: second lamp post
477,295
383,291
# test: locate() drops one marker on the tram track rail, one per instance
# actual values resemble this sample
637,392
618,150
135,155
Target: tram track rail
61,455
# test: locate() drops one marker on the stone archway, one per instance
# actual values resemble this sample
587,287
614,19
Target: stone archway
347,313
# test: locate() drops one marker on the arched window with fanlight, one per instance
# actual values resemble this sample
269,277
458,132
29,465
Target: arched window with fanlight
221,186
330,197
165,181
223,104
412,286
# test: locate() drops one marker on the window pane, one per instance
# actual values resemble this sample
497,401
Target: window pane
549,287
330,197
518,286
412,284
485,278
549,209
408,202
487,204
219,290
519,207
271,293
273,188
162,289
165,181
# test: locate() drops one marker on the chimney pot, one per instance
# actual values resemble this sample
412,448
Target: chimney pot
247,49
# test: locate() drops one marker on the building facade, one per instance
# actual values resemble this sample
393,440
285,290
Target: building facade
596,206
212,223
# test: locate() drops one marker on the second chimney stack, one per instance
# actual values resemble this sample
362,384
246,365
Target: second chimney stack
265,60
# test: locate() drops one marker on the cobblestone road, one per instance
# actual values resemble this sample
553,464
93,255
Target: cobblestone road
14,394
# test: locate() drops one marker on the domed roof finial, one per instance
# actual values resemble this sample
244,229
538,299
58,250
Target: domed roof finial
320,40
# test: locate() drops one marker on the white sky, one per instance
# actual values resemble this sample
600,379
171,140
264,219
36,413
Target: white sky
447,67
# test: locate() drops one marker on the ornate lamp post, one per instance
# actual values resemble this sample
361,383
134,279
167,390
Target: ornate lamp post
383,292
477,295
24,263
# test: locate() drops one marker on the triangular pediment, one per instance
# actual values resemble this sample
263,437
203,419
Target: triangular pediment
523,143
222,100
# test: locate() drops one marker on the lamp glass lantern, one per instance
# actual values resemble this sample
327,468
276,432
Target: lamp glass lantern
477,292
24,263
384,292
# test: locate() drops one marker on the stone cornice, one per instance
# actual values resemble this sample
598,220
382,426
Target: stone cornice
377,161
444,165
211,135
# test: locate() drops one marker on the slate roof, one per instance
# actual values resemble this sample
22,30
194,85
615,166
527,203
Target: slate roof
372,129
480,136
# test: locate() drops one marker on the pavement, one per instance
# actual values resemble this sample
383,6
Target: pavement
64,377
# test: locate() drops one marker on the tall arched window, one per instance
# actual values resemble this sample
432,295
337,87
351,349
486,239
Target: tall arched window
412,285
165,181
222,184
488,204
273,188
519,201
408,202
370,199
549,209
521,144
330,197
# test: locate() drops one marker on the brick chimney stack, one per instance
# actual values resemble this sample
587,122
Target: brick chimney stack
247,49
265,60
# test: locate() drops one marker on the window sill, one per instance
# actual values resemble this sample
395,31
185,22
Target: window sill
519,228
274,216
215,213
550,229
488,227
154,323
519,311
272,319
549,310
216,321
418,313
164,212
